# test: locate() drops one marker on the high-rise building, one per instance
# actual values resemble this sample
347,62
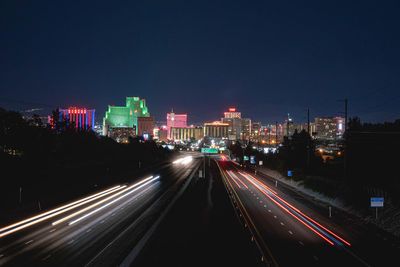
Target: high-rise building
216,129
186,133
79,118
125,116
256,132
239,128
232,113
302,126
329,127
175,120
145,125
163,134
121,134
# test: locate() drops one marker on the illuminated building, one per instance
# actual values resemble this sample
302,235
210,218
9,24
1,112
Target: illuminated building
239,128
329,127
79,118
232,114
256,132
125,116
186,133
216,129
175,120
145,125
121,134
162,134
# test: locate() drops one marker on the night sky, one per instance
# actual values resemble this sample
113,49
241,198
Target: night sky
266,58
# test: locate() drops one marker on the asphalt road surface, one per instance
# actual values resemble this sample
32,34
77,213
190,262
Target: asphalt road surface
97,230
292,231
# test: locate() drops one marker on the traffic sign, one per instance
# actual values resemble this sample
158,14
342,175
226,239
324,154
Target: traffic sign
289,173
209,150
252,160
377,202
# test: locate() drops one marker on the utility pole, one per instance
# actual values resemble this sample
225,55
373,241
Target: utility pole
269,136
345,114
287,126
308,121
309,137
204,165
346,136
345,163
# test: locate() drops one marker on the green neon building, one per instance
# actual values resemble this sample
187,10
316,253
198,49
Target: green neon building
125,116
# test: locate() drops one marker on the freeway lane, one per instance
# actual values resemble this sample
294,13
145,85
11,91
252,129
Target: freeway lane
289,235
81,238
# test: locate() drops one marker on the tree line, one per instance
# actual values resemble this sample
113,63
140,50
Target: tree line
38,158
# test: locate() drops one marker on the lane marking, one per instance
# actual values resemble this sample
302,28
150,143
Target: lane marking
275,216
301,243
70,242
102,221
290,232
52,230
269,210
87,231
1,255
30,241
282,223
265,206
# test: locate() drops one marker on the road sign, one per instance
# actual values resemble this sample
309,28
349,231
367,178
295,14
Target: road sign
289,173
209,150
252,160
260,162
245,158
377,202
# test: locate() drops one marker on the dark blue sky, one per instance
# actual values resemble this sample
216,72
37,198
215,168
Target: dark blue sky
267,58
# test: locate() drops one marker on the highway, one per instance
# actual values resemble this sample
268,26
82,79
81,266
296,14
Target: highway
286,232
97,230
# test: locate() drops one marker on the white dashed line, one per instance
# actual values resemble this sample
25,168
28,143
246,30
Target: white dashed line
52,230
30,241
112,214
1,255
282,223
269,210
290,232
45,258
88,230
265,206
275,216
301,243
260,201
102,221
70,242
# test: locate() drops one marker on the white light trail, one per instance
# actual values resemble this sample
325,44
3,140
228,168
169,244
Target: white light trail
49,214
185,160
108,204
101,201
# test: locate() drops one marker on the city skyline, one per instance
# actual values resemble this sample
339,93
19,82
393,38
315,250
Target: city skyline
212,56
